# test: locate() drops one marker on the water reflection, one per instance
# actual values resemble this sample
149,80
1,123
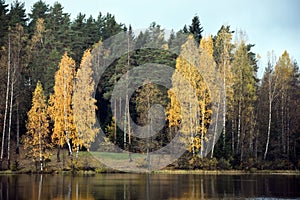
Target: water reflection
148,186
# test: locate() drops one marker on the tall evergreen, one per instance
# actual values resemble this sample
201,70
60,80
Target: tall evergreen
4,22
17,14
39,10
196,29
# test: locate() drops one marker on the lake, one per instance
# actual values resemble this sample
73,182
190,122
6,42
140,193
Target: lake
149,186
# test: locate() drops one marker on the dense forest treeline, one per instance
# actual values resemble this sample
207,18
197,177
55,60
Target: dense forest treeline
46,72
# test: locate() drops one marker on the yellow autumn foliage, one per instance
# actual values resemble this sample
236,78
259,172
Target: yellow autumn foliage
36,140
60,104
84,104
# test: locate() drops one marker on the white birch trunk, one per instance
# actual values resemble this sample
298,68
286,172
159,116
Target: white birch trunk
224,105
66,119
18,129
215,131
282,122
239,126
271,94
232,135
10,121
6,101
40,147
269,129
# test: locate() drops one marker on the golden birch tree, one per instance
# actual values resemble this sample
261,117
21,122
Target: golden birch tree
84,104
188,97
207,44
37,138
210,91
61,105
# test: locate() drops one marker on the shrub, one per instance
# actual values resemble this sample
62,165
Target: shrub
183,162
248,164
224,164
204,163
141,162
253,169
14,166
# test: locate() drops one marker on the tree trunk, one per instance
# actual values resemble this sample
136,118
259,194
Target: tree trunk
129,133
239,127
77,152
125,122
128,109
282,124
18,129
6,102
202,127
256,144
232,135
224,106
252,124
58,154
69,146
215,132
288,131
9,122
191,129
115,118
149,133
269,128
66,120
40,147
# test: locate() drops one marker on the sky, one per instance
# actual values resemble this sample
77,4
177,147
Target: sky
269,24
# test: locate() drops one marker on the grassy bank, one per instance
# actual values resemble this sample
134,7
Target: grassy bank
94,162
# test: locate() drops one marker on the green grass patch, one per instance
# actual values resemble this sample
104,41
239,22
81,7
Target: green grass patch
116,156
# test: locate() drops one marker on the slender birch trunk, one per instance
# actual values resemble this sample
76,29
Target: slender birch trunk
125,121
115,118
66,119
129,133
288,130
6,101
269,128
224,105
215,131
239,127
40,148
10,119
271,97
202,126
149,133
18,129
282,123
232,135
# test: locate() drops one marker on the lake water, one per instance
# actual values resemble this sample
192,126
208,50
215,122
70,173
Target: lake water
149,186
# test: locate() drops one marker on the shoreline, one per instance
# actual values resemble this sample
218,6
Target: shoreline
230,172
175,172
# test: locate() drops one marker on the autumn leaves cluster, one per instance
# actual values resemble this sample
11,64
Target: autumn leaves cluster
69,116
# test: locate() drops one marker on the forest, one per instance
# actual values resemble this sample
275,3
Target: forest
49,100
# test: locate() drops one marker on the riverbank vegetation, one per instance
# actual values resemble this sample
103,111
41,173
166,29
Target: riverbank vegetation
48,99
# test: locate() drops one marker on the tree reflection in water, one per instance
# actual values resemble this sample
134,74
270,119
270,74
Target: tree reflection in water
147,186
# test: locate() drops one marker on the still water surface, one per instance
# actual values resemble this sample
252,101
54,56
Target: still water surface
149,186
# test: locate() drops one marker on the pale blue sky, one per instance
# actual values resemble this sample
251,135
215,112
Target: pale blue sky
269,24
